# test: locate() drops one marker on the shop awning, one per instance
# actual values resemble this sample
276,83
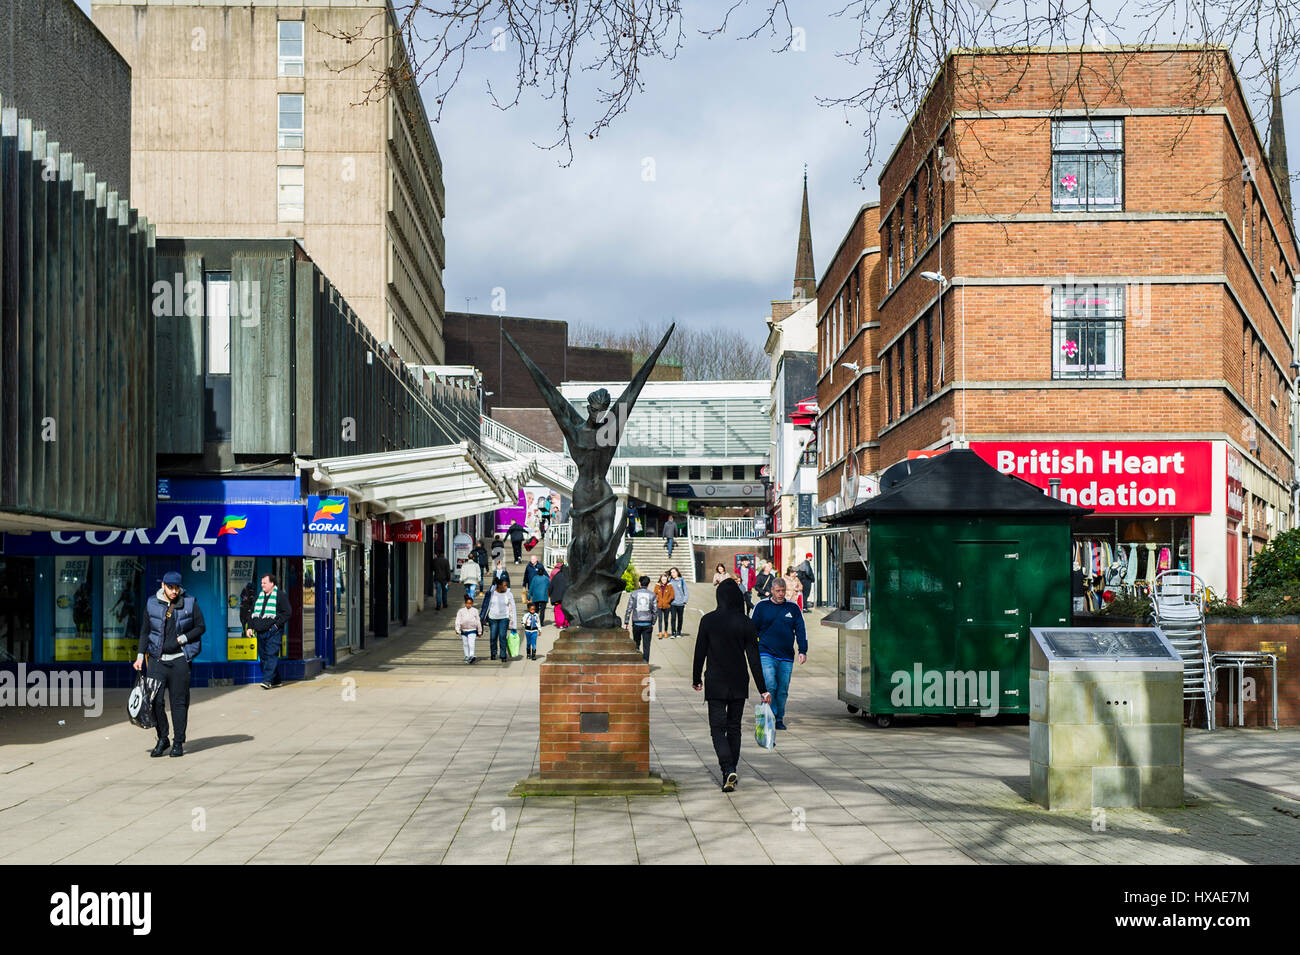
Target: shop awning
427,484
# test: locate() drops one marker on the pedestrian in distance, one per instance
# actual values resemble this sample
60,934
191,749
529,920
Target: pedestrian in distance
441,578
670,536
532,626
763,580
745,575
171,635
720,574
559,585
539,591
680,597
663,603
480,556
534,566
806,579
498,550
270,620
780,626
639,618
516,534
726,655
468,626
499,572
500,607
471,576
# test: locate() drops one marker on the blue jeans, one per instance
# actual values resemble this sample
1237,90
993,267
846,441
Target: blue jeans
668,543
530,636
271,654
439,594
471,590
499,630
776,674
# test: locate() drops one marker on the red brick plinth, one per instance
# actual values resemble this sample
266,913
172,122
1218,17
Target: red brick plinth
595,716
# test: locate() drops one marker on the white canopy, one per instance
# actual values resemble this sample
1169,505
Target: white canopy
426,484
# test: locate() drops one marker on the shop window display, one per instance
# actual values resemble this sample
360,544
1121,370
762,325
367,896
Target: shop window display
74,609
1122,557
17,624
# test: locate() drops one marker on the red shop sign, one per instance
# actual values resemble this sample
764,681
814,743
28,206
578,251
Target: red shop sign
1112,477
407,532
1236,471
379,531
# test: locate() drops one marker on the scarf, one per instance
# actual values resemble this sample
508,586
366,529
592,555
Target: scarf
265,605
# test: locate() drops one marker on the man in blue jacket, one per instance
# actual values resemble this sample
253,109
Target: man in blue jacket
779,623
170,637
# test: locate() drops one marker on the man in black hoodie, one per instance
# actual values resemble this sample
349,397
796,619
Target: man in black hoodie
728,641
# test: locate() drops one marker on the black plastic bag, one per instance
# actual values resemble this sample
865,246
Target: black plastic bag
139,705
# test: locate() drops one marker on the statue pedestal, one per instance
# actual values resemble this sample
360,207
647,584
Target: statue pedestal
595,718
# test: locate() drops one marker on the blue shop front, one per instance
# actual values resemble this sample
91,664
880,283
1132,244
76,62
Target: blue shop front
75,599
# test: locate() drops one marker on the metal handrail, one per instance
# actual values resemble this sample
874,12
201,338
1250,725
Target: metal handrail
720,528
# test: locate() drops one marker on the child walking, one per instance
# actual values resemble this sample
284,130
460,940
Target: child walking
469,626
532,624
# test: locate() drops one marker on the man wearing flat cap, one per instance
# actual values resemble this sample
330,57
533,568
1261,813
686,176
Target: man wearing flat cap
170,637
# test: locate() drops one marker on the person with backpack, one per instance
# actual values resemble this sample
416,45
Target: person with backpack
763,582
471,576
516,534
728,644
559,586
639,618
680,596
539,591
670,536
171,635
806,579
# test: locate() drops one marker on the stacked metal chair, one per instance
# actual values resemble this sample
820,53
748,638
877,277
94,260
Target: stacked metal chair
1178,609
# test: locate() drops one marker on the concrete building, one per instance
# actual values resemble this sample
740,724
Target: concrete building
260,121
1094,289
67,78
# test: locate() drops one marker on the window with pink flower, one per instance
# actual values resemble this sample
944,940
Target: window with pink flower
1087,165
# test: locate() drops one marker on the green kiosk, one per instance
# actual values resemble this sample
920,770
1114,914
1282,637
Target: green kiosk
944,572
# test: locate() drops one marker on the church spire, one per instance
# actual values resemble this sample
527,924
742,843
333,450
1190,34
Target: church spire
805,277
1277,150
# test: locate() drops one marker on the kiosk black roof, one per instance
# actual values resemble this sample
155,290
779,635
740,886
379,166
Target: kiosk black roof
960,482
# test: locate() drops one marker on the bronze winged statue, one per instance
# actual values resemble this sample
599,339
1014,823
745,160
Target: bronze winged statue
595,567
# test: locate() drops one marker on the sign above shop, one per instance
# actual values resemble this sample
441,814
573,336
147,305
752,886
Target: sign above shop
215,529
1112,477
407,532
327,515
730,491
1236,473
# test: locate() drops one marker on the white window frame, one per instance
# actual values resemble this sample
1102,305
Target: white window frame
291,206
1109,316
291,137
290,64
1105,139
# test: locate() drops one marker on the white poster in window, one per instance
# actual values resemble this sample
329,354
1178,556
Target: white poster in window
74,609
852,665
120,607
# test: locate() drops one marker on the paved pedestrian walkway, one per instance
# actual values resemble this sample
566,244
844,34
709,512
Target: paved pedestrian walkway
405,755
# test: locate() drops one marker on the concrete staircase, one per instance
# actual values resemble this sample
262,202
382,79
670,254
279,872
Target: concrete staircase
651,559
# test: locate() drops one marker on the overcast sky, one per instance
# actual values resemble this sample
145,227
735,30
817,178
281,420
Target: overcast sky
711,237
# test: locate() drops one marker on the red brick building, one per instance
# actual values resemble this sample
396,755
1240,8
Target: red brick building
1108,304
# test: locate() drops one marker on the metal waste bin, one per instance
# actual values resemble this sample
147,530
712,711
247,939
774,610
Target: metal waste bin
1105,718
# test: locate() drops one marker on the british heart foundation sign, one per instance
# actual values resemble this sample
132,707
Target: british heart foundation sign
1113,477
